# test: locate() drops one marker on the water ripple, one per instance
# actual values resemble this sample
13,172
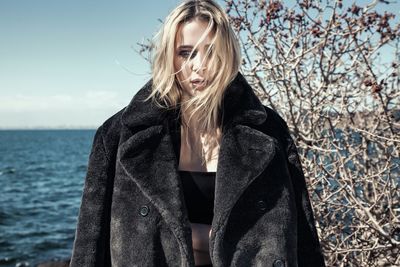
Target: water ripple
41,178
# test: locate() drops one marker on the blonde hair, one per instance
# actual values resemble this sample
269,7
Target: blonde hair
223,57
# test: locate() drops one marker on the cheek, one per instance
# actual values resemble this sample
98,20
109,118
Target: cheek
182,72
177,65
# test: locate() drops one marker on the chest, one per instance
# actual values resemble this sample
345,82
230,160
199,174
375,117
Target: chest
199,152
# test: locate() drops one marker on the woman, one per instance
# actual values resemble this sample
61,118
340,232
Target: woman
195,171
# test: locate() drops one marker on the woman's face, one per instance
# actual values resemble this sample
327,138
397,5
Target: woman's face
193,75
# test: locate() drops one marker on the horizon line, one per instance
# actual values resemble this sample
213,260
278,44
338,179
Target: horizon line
48,128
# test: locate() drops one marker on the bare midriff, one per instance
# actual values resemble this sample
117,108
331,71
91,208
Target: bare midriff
200,240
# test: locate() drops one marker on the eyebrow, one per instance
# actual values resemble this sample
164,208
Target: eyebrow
191,46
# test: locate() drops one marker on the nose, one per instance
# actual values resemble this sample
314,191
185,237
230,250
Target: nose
198,63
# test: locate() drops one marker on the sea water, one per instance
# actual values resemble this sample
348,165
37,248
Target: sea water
41,181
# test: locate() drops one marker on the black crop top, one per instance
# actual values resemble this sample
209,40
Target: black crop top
198,189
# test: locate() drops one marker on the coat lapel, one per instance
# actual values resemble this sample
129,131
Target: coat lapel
150,158
147,157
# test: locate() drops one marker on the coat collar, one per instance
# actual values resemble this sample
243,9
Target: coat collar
240,106
147,157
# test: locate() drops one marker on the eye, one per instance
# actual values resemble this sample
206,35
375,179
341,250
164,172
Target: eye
186,54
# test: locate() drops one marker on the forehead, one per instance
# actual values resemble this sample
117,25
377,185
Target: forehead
190,32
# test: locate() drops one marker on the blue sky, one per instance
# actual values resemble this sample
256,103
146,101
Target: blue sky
73,63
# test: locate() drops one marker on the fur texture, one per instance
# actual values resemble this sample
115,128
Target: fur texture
133,212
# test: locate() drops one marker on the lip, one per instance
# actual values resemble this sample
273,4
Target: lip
197,81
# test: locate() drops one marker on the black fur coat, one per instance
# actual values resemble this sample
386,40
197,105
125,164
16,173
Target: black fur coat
133,213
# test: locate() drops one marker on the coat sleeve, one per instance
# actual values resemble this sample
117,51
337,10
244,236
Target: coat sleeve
90,246
309,249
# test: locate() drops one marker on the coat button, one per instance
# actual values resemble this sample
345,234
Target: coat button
261,205
279,263
144,210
